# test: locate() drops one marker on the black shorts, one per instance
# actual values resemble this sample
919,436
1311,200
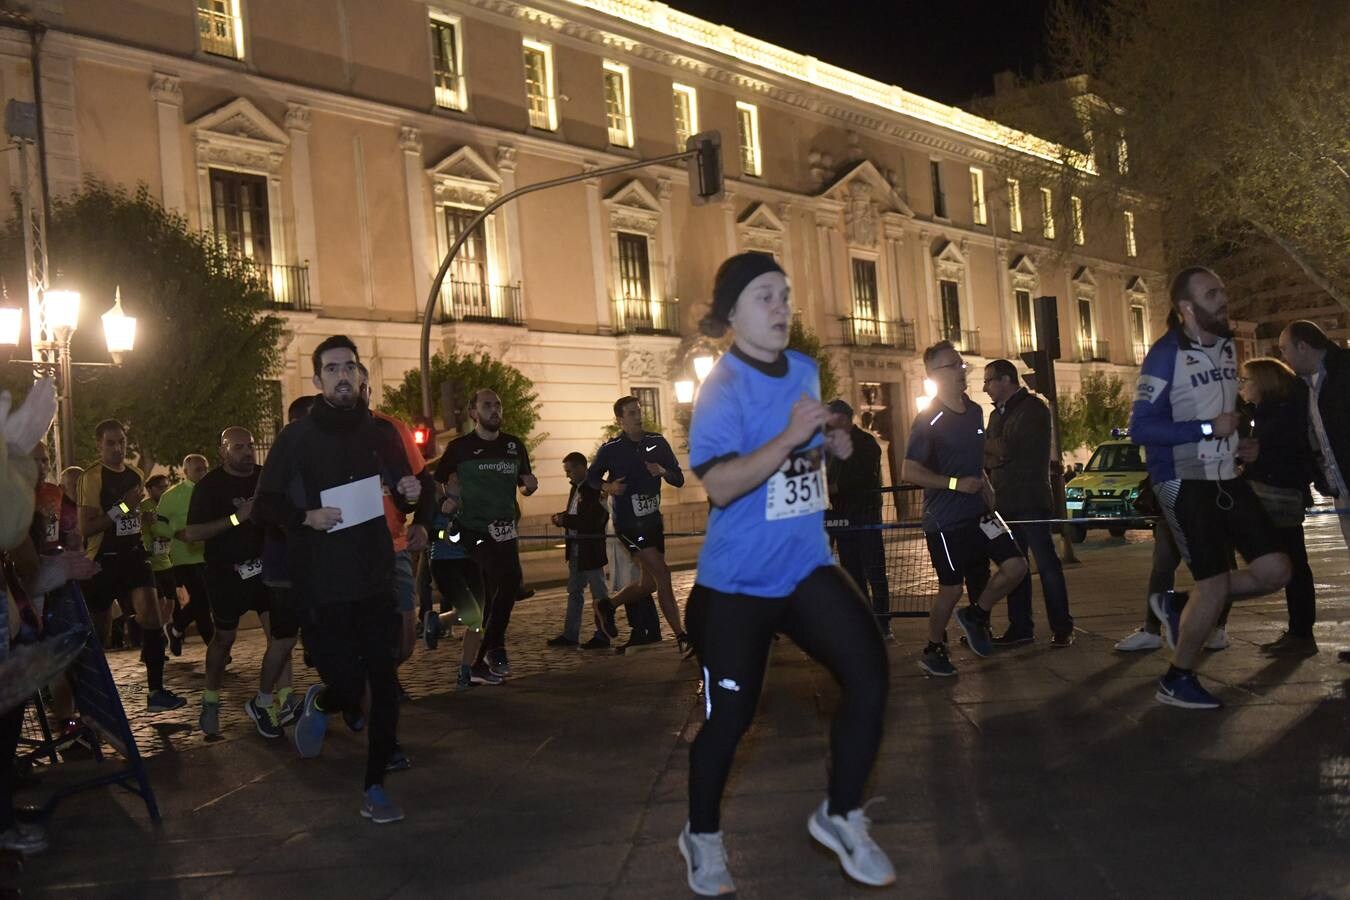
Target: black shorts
955,551
283,623
166,585
232,596
644,536
1211,519
119,574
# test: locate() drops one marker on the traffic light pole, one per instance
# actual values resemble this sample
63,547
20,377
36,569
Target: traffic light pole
432,297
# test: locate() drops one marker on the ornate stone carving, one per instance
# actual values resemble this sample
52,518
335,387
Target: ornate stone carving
410,140
166,89
297,118
860,215
209,152
506,157
663,188
641,362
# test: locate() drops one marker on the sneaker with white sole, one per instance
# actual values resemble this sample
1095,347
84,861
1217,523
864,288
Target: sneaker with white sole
1139,639
1218,639
847,836
705,860
1184,690
378,808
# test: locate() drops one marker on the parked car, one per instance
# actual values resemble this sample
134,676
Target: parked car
1107,489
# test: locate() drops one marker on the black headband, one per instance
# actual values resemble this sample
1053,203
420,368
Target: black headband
734,274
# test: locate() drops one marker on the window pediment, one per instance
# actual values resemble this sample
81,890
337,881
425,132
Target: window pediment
633,208
465,178
1084,282
238,135
1023,273
949,261
760,228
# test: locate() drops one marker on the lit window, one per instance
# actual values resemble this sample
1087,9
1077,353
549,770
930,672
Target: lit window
1047,214
650,400
1077,203
1131,248
1122,155
221,28
747,120
1014,204
446,69
539,94
618,105
977,208
686,114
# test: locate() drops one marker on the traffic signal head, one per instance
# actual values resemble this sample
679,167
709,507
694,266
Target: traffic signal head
424,435
705,169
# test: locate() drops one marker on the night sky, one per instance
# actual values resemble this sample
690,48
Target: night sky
947,50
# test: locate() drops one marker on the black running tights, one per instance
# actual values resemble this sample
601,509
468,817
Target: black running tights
828,618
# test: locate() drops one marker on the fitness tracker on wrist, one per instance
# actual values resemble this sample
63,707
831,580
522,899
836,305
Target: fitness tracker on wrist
951,483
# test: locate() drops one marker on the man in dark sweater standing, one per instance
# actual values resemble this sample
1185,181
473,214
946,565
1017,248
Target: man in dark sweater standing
855,496
585,521
324,482
1017,458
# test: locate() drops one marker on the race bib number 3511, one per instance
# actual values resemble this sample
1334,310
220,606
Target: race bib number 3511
797,489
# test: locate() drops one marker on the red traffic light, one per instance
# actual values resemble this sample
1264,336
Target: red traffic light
420,437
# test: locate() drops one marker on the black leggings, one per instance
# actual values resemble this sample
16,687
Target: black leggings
827,617
500,566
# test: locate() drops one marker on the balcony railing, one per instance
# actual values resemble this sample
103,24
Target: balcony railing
1026,343
449,90
636,315
964,341
217,32
1140,351
288,286
861,331
1094,351
472,301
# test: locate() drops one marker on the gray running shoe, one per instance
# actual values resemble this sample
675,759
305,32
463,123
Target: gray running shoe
209,720
291,709
705,860
976,628
312,726
164,700
847,836
497,662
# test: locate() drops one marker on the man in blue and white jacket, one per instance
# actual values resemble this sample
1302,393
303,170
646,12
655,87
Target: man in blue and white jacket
1185,416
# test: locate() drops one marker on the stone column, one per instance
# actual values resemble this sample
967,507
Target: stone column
167,94
595,217
302,196
410,142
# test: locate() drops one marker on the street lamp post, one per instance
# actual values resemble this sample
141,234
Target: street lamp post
55,315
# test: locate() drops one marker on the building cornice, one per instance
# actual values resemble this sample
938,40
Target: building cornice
673,38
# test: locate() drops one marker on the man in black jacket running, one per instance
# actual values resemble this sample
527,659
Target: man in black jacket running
323,482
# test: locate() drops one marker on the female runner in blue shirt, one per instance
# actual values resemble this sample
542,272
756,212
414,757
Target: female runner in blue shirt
758,441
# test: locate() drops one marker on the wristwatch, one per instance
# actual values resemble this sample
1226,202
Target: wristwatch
1207,428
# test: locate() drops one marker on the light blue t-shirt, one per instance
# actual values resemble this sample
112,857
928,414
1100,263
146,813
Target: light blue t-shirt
768,540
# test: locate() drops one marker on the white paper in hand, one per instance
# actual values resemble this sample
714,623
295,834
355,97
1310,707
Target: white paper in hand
360,501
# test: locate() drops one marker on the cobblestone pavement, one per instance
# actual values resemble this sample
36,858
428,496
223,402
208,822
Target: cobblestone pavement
428,672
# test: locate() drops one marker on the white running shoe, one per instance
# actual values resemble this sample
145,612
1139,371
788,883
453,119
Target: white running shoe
706,861
1139,639
847,836
1218,639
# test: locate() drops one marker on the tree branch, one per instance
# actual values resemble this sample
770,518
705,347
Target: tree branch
1296,256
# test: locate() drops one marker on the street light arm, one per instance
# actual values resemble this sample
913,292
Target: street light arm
477,220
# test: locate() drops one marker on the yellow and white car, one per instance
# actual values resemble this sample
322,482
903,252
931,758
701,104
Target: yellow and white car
1106,489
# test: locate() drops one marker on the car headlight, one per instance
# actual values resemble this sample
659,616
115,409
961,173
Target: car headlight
1073,493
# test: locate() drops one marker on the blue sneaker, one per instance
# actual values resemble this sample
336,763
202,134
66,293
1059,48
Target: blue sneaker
1168,611
976,630
1184,690
312,725
378,808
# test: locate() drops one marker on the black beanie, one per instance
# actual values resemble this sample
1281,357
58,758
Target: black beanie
732,277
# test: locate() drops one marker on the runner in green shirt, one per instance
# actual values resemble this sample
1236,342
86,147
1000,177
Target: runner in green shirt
189,565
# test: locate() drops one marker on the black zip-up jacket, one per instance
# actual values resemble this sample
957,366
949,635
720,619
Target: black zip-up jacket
589,519
1017,456
1286,458
855,483
328,448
